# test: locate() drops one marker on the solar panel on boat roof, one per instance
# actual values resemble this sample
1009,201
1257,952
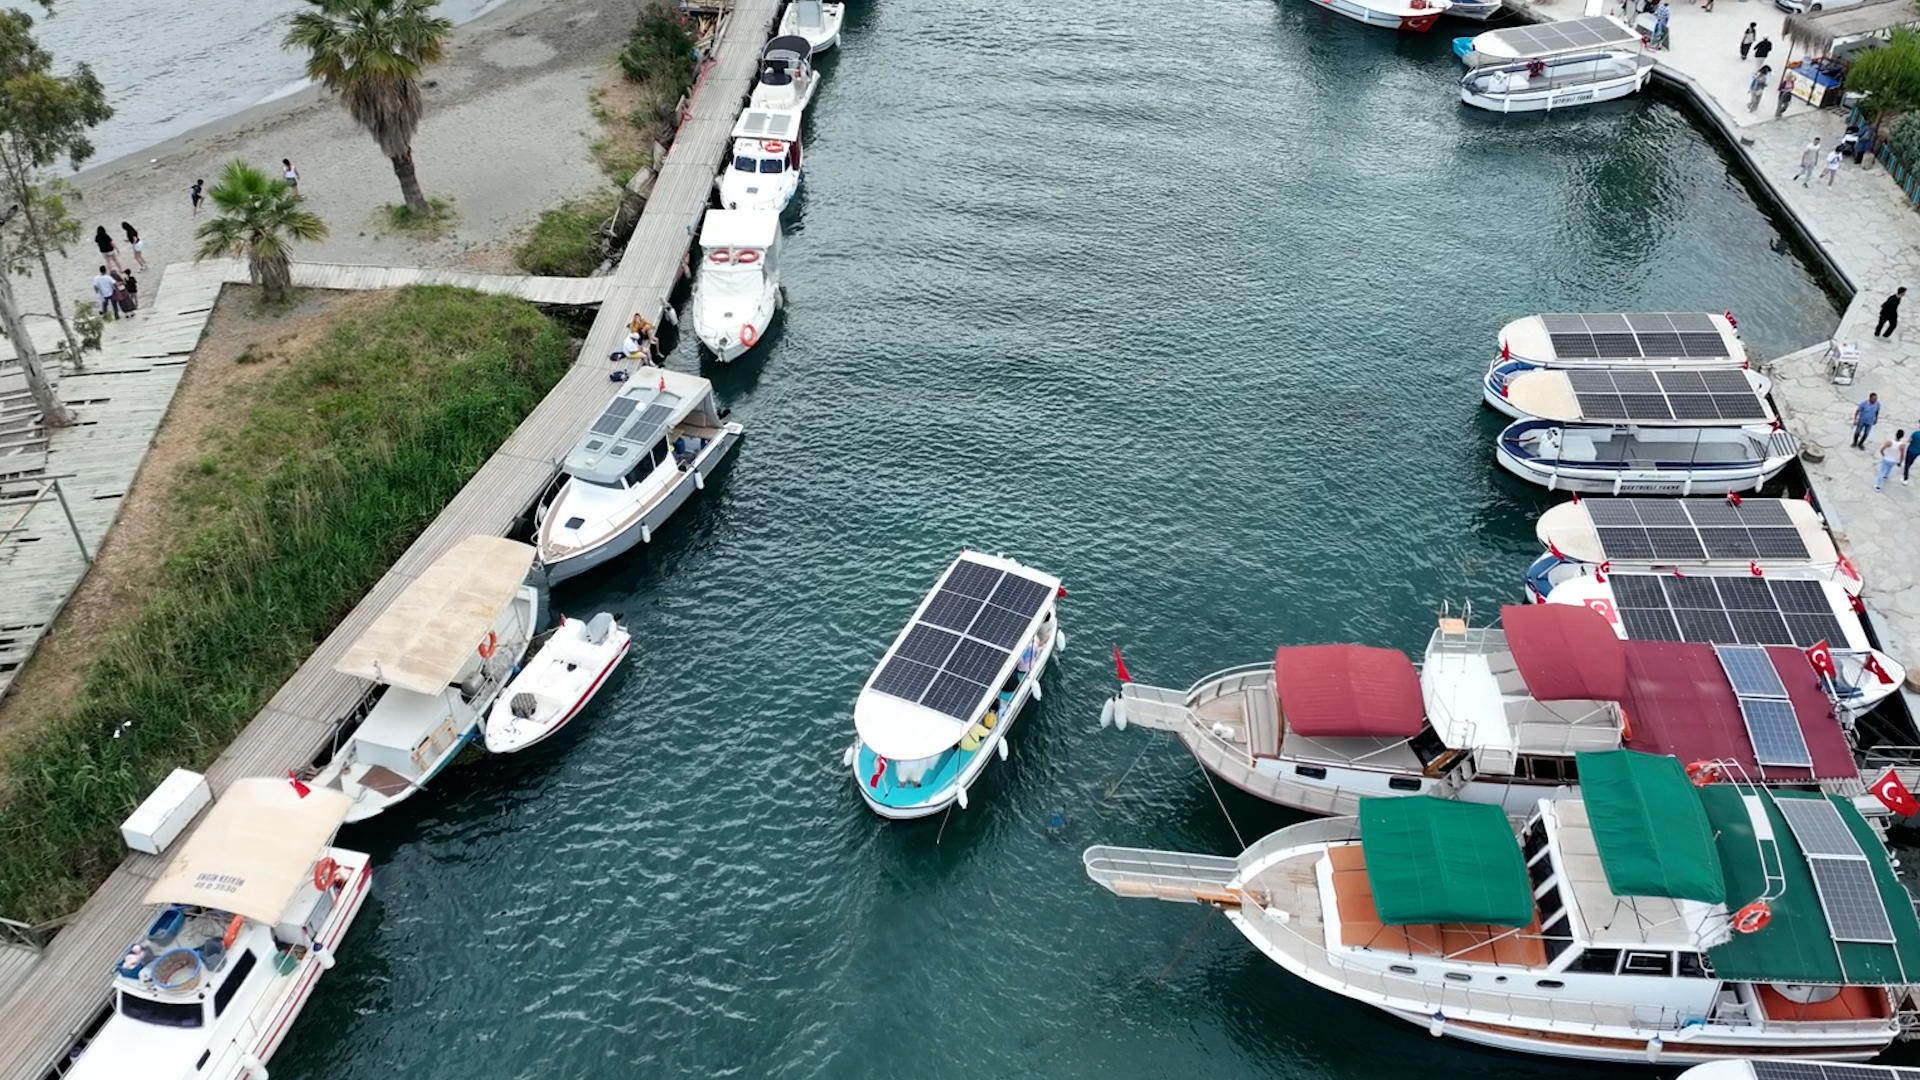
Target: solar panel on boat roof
1851,898
1775,732
1639,394
951,658
1750,670
1640,334
1690,530
1818,827
1724,610
616,414
1813,1070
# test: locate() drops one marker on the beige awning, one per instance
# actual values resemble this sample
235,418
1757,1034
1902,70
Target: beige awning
1543,394
429,633
254,850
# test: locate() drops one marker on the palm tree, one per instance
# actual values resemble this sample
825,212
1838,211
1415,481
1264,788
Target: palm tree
372,52
257,216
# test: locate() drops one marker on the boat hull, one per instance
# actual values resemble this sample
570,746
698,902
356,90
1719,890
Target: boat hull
584,559
1391,17
353,898
1557,97
1708,1046
1717,461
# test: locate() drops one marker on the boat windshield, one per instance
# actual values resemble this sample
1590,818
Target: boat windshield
772,165
176,1014
742,163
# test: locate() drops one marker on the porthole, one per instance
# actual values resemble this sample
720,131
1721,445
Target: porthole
1459,976
1402,969
1549,984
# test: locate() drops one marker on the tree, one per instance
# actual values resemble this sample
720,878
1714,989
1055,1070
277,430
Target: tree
257,217
1889,75
371,53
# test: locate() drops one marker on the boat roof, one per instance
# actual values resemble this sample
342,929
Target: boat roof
640,413
426,636
254,850
1709,396
1683,531
948,665
1648,827
783,124
1619,339
787,47
1719,608
1593,32
1477,698
1439,861
739,229
1607,918
1565,657
1348,690
1682,702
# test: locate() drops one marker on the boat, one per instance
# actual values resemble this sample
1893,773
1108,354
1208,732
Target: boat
557,683
1668,339
1743,1069
655,444
1481,10
1414,15
737,288
764,171
1749,610
1636,459
1597,33
787,79
1543,84
1781,538
253,908
939,705
1645,920
1492,715
1667,397
437,657
815,21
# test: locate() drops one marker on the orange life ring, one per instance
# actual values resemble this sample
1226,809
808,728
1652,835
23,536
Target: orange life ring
488,646
747,258
1753,918
1626,728
233,931
720,255
749,335
774,146
1702,773
323,872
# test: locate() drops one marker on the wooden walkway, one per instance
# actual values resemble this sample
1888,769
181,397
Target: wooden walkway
68,987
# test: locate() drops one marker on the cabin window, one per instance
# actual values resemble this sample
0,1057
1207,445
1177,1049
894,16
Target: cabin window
645,466
1459,976
178,1014
1549,984
1540,871
1403,783
241,969
1311,772
1550,905
1534,840
742,163
1427,745
1553,770
1692,966
1648,963
1402,969
771,165
1602,961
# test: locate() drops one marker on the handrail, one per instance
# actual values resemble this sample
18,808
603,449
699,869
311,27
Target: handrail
33,936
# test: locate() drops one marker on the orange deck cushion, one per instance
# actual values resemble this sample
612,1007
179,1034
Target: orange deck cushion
1360,925
1853,1003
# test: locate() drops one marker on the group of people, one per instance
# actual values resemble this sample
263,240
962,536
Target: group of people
115,286
1900,451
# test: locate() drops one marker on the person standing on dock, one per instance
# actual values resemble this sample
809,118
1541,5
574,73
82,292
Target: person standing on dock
1890,452
1786,94
1809,161
1832,168
1757,87
1865,415
1761,50
1746,39
1889,314
103,287
1913,451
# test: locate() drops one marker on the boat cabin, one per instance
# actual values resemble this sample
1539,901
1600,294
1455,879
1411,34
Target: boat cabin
1783,537
764,170
740,250
1714,397
1678,339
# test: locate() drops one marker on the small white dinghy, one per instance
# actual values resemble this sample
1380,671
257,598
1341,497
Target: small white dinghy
557,683
814,20
1542,84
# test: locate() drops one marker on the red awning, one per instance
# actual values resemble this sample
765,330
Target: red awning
1679,702
1565,652
1352,690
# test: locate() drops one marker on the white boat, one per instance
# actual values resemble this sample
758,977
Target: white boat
256,904
1739,1069
1480,10
436,656
1783,538
1669,339
656,443
764,171
787,79
1752,610
817,22
557,683
1632,459
1413,15
1641,394
1556,82
1493,715
940,703
737,288
1595,33
1646,921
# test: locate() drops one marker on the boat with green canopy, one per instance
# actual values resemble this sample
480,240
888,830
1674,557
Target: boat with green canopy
1647,919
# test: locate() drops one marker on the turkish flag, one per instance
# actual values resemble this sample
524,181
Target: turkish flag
1554,550
1600,572
299,788
1859,605
1576,498
1506,351
1754,567
1821,657
1120,666
1733,497
1888,789
1846,567
1872,663
879,770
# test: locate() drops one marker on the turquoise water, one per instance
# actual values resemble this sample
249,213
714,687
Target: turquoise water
1185,304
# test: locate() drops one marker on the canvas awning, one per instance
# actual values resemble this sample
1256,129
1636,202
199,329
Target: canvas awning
1437,861
254,850
1679,702
1565,653
1816,32
428,635
1647,823
1348,690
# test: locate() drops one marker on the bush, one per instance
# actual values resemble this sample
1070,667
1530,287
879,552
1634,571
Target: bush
1889,75
660,51
1904,136
566,241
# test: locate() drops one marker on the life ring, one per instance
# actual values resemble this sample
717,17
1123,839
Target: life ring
1753,918
488,646
323,873
1702,773
774,146
747,258
749,335
233,932
1626,728
719,255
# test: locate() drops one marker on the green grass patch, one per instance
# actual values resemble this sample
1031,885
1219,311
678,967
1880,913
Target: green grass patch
431,225
331,467
566,241
660,50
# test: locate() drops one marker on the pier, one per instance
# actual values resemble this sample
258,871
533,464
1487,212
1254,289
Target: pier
66,989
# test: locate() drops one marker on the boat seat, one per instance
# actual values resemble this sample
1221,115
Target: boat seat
1360,925
1510,682
1577,446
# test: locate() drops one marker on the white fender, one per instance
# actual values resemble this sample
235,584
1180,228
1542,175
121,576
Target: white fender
1003,748
325,956
254,1066
960,795
1059,643
1035,677
1119,714
646,535
846,759
699,481
1654,1046
1106,714
1437,1025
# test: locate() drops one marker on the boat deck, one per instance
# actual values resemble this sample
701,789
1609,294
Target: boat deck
1252,716
1644,452
1293,886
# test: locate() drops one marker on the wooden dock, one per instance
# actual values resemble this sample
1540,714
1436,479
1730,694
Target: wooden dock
68,986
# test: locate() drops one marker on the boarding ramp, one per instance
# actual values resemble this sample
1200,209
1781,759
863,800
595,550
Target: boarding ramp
1153,707
1174,876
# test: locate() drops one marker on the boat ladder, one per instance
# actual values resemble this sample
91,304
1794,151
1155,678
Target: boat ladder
1174,876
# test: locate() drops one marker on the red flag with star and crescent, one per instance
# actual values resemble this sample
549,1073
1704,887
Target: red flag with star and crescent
1820,655
1872,663
1888,789
299,788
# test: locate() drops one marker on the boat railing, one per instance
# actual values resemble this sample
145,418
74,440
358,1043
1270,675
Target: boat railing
233,1058
1333,830
1233,680
1174,876
33,936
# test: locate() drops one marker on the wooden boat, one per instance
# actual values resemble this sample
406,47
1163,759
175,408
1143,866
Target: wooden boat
557,683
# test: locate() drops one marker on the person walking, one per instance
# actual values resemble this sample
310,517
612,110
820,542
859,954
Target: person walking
109,252
1832,168
1757,87
1865,415
1890,452
138,245
1746,39
1763,49
291,174
122,299
1913,451
103,287
1809,161
195,194
1889,313
1786,94
132,285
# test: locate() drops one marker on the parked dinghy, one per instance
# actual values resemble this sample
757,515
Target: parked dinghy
557,683
814,20
1560,82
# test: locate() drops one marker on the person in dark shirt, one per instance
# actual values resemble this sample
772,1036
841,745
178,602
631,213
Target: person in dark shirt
1889,313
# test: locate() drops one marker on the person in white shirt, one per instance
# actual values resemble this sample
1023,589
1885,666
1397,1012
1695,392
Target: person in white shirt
292,174
103,287
1832,168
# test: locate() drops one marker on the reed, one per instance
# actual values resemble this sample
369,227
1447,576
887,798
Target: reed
332,468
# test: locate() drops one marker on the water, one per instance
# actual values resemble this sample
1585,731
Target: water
1189,308
170,66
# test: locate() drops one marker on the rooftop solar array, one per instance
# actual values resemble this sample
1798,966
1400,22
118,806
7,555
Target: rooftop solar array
1694,530
629,426
1639,394
1841,874
1772,725
1812,1070
1587,33
952,656
1725,610
1630,337
767,124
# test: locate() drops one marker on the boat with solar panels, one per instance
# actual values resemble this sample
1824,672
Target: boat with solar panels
938,706
1667,339
1677,397
654,445
1747,610
736,288
1741,1069
1781,538
1543,84
1559,38
1644,459
1491,715
1645,920
764,171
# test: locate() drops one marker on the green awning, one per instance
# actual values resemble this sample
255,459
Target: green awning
1796,945
1436,861
1647,822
